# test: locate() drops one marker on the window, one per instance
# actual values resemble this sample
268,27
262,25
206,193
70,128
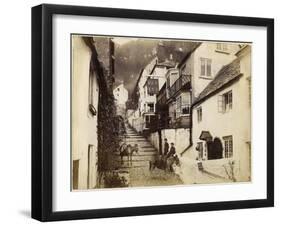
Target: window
152,86
222,47
225,102
150,107
178,106
185,103
199,114
206,67
228,146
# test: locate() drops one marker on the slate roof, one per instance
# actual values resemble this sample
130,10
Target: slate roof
227,74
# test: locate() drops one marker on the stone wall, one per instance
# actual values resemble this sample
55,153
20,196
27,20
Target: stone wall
180,137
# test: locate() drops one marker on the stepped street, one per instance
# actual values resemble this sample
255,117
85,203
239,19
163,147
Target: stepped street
137,170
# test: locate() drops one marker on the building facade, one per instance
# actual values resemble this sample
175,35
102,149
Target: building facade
85,93
92,80
151,80
221,131
121,97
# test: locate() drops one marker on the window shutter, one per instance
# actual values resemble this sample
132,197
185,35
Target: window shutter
220,103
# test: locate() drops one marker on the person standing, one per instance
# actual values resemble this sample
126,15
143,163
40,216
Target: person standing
172,151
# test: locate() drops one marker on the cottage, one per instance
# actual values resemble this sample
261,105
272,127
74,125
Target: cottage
91,78
221,116
85,92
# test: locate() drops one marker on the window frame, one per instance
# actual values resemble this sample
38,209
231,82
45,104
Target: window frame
225,102
222,47
228,146
206,67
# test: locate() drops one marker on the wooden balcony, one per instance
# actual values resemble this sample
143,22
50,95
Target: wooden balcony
180,83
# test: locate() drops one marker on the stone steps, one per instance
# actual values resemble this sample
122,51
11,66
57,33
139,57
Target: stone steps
145,154
140,154
135,164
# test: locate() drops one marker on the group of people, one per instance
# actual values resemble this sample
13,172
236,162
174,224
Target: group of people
169,151
166,159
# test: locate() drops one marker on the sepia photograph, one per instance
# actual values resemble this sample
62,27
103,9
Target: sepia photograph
149,112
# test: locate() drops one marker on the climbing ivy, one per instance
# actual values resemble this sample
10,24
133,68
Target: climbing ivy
108,140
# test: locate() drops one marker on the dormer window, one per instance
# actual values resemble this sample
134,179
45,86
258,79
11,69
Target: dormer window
222,47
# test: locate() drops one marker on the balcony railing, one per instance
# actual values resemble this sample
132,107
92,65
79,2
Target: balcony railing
179,83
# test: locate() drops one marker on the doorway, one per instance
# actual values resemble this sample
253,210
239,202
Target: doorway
75,174
215,149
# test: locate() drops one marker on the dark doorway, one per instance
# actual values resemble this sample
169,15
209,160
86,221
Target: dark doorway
75,174
215,149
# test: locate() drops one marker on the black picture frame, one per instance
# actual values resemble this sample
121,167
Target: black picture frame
42,107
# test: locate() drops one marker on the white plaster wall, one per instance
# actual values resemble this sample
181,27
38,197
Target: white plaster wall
84,125
180,137
236,122
208,50
120,94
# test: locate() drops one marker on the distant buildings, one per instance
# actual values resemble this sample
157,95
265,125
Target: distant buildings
121,97
150,81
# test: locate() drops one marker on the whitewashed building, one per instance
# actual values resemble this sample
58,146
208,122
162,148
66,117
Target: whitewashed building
85,93
121,97
186,81
150,81
221,131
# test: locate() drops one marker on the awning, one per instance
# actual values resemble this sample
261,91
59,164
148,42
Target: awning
206,135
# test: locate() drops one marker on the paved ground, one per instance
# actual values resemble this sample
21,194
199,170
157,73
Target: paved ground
138,173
